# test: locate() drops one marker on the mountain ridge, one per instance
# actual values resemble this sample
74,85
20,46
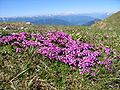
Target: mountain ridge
72,19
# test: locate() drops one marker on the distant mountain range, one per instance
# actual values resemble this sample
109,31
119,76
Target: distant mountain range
72,19
92,22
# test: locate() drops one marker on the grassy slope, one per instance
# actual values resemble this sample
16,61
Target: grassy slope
24,71
112,22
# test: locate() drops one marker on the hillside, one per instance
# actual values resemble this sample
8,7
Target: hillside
112,22
30,71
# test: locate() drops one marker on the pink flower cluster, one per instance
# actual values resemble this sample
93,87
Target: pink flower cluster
61,47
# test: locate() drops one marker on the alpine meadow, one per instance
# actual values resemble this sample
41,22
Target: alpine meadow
60,52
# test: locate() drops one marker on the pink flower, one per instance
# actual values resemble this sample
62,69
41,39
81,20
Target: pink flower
93,74
60,46
18,50
107,50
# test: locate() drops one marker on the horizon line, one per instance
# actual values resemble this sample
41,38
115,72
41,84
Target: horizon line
57,14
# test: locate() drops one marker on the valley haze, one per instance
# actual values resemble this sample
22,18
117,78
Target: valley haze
71,19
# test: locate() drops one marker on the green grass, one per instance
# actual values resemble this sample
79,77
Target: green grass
28,71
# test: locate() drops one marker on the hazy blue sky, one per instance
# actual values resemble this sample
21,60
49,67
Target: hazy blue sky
43,7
